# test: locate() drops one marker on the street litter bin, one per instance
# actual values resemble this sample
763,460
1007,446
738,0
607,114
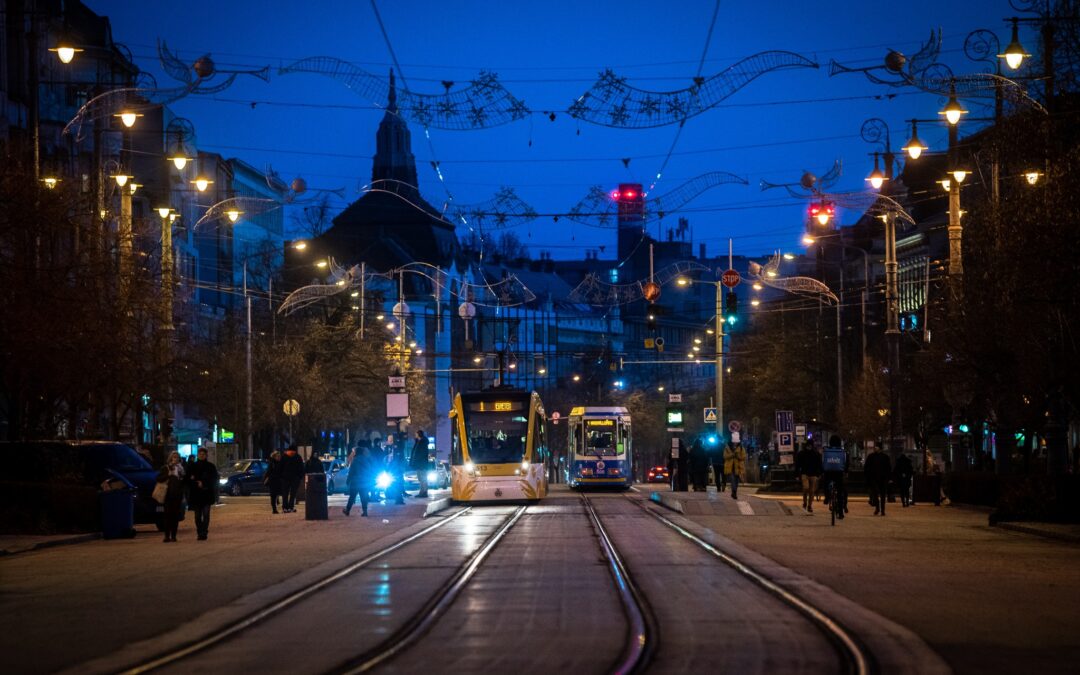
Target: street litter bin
117,501
927,489
315,507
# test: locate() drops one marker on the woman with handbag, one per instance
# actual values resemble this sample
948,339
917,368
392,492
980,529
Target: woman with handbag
172,496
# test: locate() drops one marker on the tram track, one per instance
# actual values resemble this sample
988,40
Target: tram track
413,627
643,629
855,657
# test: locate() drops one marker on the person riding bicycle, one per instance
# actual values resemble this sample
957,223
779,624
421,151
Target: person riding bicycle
834,460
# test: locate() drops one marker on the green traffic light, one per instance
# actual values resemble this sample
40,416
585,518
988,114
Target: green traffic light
732,319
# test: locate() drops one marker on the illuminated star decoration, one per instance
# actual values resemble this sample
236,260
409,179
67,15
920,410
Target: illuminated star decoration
769,275
598,293
502,210
196,78
611,102
254,206
482,104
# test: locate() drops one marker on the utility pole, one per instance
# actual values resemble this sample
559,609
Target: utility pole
892,305
250,431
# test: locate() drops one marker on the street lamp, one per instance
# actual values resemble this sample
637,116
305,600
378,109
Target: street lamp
50,181
914,147
233,215
718,334
876,178
128,117
1015,53
65,49
201,183
952,110
1032,177
121,179
179,160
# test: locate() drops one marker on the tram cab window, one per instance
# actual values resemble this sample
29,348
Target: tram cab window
497,437
600,440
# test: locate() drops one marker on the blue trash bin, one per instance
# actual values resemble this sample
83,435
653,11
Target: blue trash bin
117,513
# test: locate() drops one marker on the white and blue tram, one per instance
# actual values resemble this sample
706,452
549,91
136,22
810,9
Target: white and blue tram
599,448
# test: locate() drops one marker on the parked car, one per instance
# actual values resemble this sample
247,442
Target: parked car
657,474
438,477
244,477
337,476
68,473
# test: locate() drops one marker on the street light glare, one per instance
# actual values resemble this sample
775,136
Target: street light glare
789,256
682,281
201,183
233,215
1032,177
952,110
128,117
121,179
1015,53
806,240
959,175
179,161
163,211
300,245
755,302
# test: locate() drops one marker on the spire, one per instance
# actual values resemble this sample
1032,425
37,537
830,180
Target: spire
393,144
392,101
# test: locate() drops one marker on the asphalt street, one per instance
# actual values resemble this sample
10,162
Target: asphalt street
925,589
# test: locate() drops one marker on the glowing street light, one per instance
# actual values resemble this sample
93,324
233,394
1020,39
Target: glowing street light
876,177
128,117
179,160
201,183
914,147
1015,53
300,245
807,240
65,49
50,181
1032,177
233,215
121,179
952,110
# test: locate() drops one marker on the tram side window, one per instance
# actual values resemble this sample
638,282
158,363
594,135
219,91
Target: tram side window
456,457
540,444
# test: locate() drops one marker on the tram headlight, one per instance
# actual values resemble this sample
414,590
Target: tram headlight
470,467
383,480
525,465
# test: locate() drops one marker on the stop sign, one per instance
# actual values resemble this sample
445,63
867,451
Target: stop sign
730,278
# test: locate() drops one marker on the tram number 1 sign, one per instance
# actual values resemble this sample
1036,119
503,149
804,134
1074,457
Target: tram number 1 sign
730,278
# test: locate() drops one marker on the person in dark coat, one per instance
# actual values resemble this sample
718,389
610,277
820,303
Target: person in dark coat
808,468
418,461
395,464
292,476
202,491
677,467
172,474
715,455
877,471
902,473
699,465
272,479
361,478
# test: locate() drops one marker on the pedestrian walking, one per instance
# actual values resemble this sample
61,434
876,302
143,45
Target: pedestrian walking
418,461
272,479
678,462
202,491
715,455
361,478
292,476
808,469
699,465
902,473
877,470
395,466
734,465
172,475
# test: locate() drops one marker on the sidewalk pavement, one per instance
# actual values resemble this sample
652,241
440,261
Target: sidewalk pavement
10,544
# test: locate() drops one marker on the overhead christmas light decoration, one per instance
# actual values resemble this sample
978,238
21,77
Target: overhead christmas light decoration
483,103
611,102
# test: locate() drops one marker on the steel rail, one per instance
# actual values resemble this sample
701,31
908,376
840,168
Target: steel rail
855,656
643,630
433,609
274,607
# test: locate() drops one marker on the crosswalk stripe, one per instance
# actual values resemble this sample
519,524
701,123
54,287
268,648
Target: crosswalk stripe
745,508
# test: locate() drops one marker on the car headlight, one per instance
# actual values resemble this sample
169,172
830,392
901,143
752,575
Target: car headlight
223,481
432,476
383,480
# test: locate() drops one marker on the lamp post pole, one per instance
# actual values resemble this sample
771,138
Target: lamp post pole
719,362
250,431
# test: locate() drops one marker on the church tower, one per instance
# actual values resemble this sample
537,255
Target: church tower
394,159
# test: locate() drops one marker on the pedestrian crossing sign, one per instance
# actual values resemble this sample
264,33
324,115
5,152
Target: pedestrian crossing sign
710,415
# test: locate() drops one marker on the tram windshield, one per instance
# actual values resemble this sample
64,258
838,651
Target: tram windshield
497,437
601,438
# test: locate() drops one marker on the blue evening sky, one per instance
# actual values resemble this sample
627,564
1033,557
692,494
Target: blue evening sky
548,53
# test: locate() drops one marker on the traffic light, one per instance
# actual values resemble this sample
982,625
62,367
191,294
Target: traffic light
731,309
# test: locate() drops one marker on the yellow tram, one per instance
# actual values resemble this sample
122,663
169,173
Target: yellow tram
498,447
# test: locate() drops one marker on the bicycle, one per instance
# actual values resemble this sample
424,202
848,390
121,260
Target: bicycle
835,507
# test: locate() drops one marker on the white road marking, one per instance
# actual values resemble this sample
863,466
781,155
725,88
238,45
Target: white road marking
745,508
